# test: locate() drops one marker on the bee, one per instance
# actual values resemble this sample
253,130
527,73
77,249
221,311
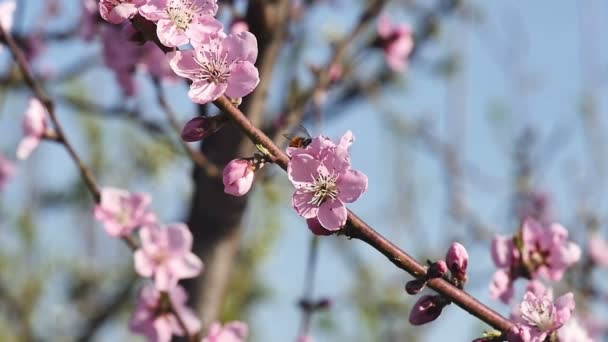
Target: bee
299,138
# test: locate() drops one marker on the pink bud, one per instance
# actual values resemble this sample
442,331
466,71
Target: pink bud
413,287
457,259
316,228
437,269
202,127
426,309
238,177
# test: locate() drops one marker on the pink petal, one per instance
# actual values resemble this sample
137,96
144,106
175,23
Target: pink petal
179,238
27,146
203,27
385,27
242,47
188,266
164,279
121,13
347,140
144,266
332,214
300,202
184,63
169,34
302,169
154,10
243,80
204,92
351,184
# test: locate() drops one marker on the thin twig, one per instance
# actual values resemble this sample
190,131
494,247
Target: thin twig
198,157
309,282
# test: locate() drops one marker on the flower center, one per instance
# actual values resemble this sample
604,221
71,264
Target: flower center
538,313
214,67
323,188
182,12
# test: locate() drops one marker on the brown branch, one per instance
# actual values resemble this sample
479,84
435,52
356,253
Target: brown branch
357,228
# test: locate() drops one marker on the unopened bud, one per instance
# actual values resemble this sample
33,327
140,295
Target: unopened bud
202,127
437,269
238,177
413,287
316,228
427,309
457,259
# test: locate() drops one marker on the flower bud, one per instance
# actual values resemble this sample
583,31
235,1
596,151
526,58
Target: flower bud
427,309
202,126
238,177
437,269
457,259
413,287
316,228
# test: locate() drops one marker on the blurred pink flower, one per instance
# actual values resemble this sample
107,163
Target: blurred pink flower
153,317
231,332
219,65
305,338
7,8
427,309
502,286
547,252
121,55
573,331
118,11
121,212
7,170
538,315
324,180
154,61
457,259
238,177
316,228
397,42
88,20
179,21
34,127
165,255
239,26
598,250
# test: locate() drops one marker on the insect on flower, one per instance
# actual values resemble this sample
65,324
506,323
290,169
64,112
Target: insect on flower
299,138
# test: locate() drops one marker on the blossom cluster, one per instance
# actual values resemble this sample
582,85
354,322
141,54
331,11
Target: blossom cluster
218,63
165,257
536,251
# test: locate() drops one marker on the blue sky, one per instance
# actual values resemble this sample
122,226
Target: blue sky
536,41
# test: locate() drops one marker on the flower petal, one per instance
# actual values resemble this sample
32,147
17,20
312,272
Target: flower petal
302,169
204,92
243,79
332,214
351,184
301,203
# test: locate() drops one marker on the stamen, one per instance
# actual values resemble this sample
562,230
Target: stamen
182,12
323,189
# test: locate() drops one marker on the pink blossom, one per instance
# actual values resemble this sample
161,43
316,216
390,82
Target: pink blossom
538,315
238,177
574,331
231,332
121,212
155,62
598,250
397,42
535,204
7,8
88,20
457,259
201,127
219,65
316,228
502,286
426,309
7,170
34,127
117,11
239,26
547,252
305,338
324,180
153,317
179,21
121,55
165,255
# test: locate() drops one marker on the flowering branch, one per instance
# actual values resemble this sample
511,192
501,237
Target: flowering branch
357,228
